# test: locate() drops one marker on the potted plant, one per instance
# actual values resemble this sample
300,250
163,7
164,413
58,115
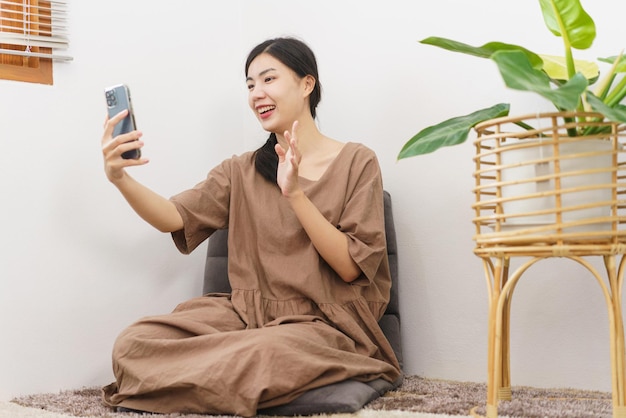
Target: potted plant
586,105
544,151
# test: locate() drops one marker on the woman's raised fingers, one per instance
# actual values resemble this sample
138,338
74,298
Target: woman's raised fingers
109,123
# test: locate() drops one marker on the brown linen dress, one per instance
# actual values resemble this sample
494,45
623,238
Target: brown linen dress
291,323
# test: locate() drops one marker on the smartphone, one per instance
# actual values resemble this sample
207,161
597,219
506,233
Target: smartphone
118,99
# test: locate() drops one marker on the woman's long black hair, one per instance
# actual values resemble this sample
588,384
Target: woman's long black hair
296,55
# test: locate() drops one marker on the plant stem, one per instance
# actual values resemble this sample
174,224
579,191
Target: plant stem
602,92
571,131
617,94
569,56
605,85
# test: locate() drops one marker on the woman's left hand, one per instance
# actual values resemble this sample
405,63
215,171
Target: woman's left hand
288,163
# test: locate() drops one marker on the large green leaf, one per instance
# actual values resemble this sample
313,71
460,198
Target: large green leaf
485,51
616,114
450,132
518,74
568,19
556,68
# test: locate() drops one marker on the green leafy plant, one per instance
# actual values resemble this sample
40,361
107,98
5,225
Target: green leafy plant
564,81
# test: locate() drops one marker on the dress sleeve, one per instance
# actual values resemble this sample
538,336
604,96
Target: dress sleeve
363,219
204,208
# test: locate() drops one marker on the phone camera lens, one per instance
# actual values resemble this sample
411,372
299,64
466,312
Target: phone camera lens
111,99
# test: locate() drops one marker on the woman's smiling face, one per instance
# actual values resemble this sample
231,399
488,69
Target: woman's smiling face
276,94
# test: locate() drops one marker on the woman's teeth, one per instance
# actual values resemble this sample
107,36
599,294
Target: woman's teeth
266,109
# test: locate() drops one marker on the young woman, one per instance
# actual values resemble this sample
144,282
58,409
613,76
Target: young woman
307,261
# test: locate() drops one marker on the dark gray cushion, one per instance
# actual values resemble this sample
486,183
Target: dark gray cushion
346,396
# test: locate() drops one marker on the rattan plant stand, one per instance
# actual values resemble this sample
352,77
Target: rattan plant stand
534,201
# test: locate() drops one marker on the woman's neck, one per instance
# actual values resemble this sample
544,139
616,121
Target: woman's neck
318,151
308,136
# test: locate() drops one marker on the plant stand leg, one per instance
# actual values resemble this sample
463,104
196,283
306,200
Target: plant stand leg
615,277
492,399
501,293
494,365
504,390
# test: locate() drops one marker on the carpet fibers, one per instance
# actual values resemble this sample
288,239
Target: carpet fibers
415,395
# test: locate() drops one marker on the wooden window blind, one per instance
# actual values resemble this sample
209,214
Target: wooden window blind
31,34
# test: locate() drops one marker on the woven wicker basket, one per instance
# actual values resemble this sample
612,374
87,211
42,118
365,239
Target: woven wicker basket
538,186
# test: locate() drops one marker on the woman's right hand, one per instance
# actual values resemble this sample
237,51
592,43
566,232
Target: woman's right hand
153,208
112,148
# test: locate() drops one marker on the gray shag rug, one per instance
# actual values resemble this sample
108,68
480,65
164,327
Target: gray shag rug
416,394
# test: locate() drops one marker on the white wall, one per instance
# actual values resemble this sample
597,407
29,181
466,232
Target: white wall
78,265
